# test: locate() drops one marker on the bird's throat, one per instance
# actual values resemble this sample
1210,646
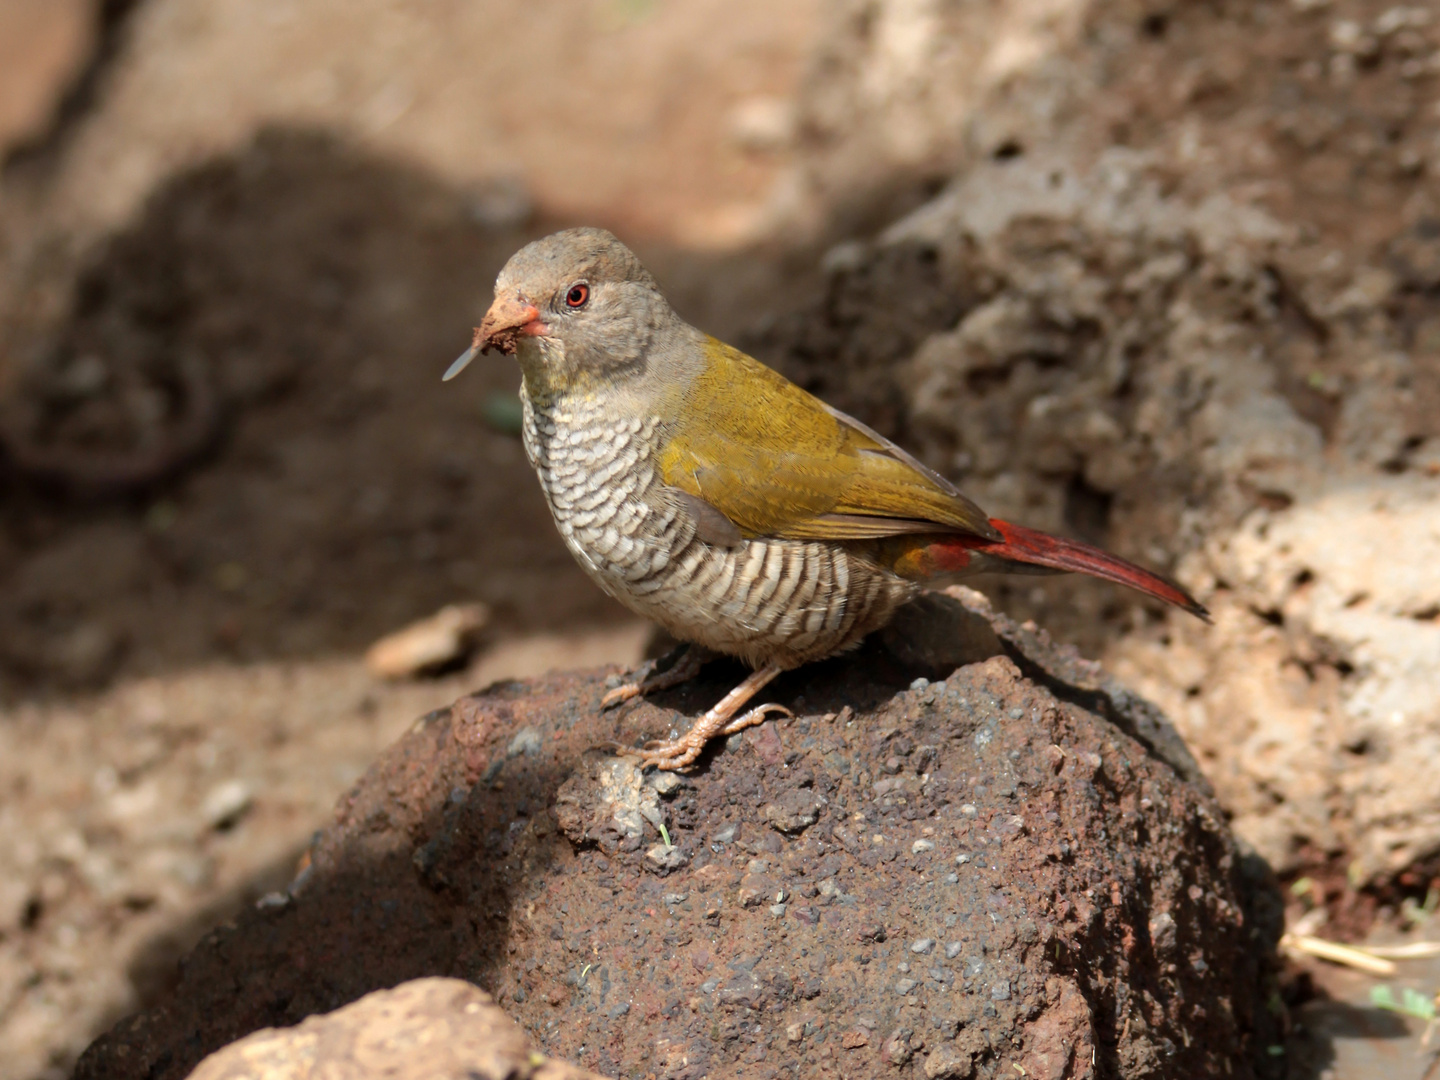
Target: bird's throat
552,377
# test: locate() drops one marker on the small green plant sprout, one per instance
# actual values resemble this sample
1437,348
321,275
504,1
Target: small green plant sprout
1414,1004
1411,1002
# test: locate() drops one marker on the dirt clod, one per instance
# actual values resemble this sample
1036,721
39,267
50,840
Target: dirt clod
502,341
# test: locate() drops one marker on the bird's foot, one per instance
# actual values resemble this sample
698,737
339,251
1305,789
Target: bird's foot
624,692
673,754
757,715
684,667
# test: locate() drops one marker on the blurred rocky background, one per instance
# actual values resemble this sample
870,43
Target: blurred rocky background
1163,275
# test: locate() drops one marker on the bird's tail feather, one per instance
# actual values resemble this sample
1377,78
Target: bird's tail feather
927,558
1033,548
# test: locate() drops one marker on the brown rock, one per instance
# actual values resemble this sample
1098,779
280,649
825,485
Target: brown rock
427,1029
1034,881
431,644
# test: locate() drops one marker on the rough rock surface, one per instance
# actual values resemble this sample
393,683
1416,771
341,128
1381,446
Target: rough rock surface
1013,865
1181,298
426,1029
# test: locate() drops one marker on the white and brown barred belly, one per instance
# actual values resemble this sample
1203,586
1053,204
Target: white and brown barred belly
783,602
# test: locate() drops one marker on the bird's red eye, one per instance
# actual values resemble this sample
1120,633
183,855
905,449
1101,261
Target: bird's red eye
577,296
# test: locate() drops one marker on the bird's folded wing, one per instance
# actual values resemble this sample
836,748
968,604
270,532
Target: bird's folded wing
778,462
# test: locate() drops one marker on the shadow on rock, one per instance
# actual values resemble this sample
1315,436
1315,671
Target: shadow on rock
939,865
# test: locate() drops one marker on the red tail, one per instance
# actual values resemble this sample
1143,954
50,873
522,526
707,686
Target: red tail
1035,548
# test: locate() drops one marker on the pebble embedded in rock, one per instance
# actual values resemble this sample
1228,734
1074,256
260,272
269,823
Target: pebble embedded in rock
897,1050
947,1063
794,812
526,741
665,858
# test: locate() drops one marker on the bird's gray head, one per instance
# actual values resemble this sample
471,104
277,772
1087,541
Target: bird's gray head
572,307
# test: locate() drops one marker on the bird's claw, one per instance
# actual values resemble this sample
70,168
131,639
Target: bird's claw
757,715
632,689
620,695
684,664
670,756
676,755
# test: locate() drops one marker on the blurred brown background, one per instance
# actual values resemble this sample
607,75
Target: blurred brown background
1170,281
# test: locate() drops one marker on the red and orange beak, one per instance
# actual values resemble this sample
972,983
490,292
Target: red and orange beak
508,318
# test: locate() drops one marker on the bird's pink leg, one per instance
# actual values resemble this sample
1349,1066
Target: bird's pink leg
720,720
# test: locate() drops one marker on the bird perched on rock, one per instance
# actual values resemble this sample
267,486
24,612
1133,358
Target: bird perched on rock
710,494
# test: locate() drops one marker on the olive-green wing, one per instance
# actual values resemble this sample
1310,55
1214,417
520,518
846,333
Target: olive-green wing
778,462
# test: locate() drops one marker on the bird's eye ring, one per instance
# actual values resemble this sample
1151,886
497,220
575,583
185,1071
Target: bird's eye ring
578,295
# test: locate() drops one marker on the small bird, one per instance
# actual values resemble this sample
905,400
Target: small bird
710,494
